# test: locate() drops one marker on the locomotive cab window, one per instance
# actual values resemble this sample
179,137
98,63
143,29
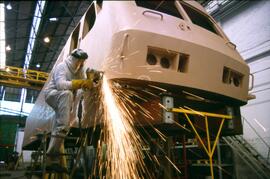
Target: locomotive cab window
167,7
199,19
74,38
89,20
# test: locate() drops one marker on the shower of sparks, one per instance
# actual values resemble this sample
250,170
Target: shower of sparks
123,152
196,96
161,89
173,164
197,112
124,146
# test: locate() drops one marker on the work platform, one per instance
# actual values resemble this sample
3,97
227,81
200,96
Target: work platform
22,78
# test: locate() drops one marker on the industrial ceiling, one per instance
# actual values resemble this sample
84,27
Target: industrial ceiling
18,25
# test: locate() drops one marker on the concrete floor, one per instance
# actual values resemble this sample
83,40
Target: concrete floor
20,174
14,174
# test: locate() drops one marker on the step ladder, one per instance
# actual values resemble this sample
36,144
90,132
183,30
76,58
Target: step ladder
38,163
249,155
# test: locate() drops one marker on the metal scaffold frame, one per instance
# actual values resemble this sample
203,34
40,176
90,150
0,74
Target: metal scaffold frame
19,77
208,149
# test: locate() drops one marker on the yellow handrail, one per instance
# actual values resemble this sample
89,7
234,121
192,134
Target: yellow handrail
18,77
178,110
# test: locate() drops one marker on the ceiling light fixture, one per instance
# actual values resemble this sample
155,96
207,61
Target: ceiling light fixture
9,7
53,19
46,39
8,48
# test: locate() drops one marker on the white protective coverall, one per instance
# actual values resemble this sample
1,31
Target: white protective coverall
60,96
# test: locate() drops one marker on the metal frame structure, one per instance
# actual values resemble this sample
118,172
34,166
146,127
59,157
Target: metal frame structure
209,149
19,77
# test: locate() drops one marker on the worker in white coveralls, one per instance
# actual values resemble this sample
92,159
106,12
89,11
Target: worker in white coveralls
67,80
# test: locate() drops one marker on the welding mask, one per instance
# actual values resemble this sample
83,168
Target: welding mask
79,57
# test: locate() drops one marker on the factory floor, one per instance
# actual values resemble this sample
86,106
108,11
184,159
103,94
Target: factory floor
19,173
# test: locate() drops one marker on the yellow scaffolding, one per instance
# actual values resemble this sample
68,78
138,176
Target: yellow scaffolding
18,77
209,149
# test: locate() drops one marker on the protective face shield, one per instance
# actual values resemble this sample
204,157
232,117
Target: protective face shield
78,63
79,57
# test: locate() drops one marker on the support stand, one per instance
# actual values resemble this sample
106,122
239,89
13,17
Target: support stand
208,149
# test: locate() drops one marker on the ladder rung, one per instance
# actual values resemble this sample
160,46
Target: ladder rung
59,154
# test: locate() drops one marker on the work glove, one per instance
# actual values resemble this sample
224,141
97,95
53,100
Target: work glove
87,84
77,84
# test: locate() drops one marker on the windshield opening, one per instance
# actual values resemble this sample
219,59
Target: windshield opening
167,7
199,19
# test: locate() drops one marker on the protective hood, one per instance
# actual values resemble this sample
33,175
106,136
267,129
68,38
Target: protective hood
70,62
